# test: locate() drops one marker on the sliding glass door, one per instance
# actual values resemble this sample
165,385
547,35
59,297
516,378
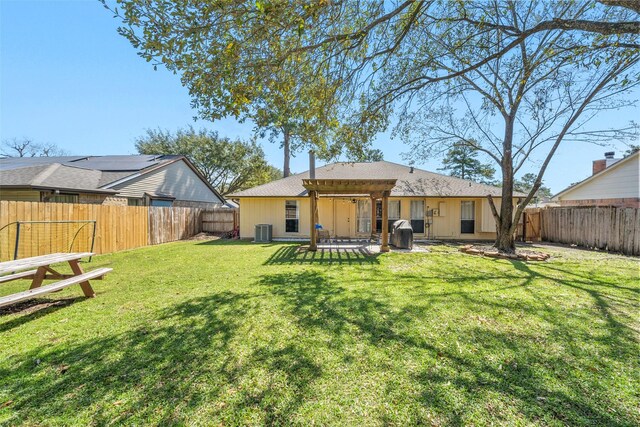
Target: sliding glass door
363,216
417,216
394,214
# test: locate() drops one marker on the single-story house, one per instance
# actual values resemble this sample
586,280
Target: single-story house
614,182
438,206
134,180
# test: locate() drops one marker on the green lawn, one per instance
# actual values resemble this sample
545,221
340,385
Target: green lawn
227,333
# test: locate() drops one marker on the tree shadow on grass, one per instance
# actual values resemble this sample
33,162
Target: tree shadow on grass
292,255
239,242
471,366
33,309
195,358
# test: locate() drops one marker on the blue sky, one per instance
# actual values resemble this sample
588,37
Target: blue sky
68,78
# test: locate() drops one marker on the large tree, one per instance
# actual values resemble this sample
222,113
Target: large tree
462,161
229,165
521,77
219,51
520,104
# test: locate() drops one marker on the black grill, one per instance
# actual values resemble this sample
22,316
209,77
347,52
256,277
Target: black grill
402,234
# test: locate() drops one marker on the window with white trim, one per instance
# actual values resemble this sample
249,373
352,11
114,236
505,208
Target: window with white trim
291,216
467,217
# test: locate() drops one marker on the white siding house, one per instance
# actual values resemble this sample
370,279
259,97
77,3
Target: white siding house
176,179
154,180
617,185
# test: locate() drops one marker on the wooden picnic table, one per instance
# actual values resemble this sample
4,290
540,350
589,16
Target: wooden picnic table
39,269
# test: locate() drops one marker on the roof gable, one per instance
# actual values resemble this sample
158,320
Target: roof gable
87,173
603,174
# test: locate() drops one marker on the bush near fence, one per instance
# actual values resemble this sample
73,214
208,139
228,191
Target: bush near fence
117,227
608,228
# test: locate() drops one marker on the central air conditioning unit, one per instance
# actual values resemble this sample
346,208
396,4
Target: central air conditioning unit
264,233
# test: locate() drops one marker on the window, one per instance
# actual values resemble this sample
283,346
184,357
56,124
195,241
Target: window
291,216
417,216
162,203
467,217
59,197
363,216
135,202
394,214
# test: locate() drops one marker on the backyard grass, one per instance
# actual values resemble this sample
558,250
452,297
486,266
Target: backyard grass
232,333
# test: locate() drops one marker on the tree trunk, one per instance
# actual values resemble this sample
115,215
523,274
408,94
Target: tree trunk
286,170
504,230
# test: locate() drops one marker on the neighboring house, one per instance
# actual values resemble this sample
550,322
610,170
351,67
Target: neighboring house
134,180
614,182
438,206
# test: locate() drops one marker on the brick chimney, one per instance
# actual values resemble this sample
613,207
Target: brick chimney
600,165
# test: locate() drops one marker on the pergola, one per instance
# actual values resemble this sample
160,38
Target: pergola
375,188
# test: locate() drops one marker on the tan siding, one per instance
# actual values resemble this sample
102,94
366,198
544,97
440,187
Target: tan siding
448,226
20,195
271,211
325,213
487,222
176,179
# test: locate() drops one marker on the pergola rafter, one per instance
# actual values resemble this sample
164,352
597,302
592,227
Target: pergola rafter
375,188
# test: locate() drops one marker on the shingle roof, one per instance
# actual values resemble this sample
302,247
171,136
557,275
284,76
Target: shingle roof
118,163
53,176
417,183
7,163
88,173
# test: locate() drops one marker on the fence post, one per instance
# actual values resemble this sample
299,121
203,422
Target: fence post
15,249
93,239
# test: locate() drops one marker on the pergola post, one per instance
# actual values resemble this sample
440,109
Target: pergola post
376,188
384,247
313,201
373,217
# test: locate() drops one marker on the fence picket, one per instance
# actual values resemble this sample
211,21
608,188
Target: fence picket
117,227
610,228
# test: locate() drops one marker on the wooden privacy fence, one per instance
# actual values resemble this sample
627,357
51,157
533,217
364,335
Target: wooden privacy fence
171,224
63,227
610,228
220,220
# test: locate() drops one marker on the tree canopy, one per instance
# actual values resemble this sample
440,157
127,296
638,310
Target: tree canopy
526,183
462,161
228,165
511,79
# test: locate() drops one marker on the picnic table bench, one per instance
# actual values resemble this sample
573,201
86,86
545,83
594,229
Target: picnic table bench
39,269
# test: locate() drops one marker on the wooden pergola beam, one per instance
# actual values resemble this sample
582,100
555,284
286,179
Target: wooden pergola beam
349,186
376,188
